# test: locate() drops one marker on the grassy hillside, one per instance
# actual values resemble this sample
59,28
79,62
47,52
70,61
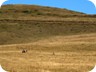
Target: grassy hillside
23,31
57,40
29,23
30,11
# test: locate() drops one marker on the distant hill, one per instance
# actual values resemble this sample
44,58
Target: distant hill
30,23
20,11
33,12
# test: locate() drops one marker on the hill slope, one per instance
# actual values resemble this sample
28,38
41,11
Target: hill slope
30,11
29,23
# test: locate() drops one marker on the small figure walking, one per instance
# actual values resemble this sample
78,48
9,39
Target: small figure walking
53,53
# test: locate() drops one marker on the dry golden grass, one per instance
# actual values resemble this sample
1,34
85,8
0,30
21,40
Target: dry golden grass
57,40
74,53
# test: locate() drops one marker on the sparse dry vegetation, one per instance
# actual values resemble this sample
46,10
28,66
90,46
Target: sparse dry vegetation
57,40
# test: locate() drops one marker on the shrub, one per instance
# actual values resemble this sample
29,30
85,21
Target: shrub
27,11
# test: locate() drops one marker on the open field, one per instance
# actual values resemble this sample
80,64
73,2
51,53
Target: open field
57,40
57,54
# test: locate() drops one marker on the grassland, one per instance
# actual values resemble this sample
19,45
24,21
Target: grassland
57,40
